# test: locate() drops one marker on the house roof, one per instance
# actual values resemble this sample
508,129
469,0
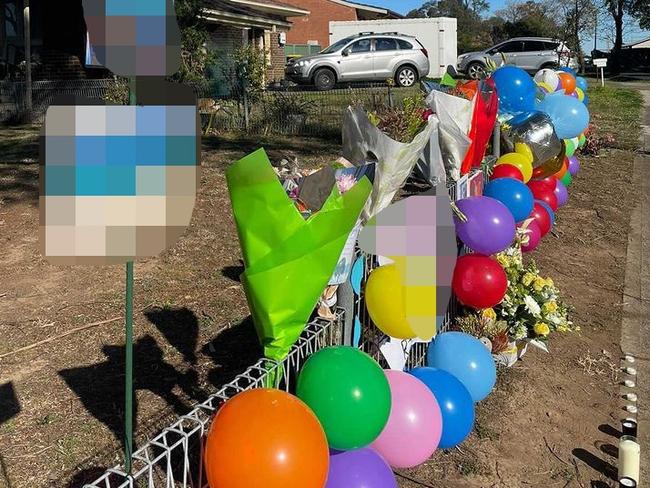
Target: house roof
636,43
273,7
251,13
369,8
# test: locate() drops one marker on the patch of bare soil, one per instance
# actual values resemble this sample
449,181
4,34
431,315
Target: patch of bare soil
61,413
553,419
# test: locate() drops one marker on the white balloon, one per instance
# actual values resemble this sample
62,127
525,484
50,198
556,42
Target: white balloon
549,77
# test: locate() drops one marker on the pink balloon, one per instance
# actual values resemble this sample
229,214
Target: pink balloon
534,237
414,426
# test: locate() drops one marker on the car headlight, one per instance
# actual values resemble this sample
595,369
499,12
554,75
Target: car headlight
302,64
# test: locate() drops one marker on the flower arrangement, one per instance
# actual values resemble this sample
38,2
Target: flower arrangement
530,311
532,306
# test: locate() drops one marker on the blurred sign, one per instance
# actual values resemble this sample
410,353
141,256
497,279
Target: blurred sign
600,63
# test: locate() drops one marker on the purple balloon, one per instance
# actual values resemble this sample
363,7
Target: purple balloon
561,193
574,165
490,226
361,468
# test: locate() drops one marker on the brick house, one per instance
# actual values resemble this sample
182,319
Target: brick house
313,29
59,43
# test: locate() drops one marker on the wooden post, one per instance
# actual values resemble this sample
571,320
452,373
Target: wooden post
28,58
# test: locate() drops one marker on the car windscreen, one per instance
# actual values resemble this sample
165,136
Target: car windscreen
337,46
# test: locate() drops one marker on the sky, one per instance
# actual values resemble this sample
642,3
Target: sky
405,6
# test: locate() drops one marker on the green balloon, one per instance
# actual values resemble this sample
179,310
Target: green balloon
567,179
583,140
349,393
570,147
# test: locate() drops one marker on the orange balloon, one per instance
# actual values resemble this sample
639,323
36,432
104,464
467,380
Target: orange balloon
266,438
568,82
563,170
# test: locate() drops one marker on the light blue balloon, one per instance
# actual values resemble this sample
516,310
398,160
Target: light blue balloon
582,84
467,359
569,115
516,89
456,404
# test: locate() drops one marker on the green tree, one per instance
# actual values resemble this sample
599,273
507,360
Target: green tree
195,57
638,10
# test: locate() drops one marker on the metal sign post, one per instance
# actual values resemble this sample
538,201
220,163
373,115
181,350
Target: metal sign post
601,63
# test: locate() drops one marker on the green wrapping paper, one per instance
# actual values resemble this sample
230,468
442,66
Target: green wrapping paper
288,260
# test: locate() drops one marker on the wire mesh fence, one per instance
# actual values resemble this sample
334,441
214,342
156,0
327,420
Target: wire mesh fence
288,111
13,96
174,458
297,111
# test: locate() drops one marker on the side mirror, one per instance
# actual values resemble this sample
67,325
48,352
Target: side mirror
346,52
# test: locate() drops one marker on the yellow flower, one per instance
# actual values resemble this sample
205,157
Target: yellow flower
503,260
489,314
539,283
549,282
528,279
542,329
550,307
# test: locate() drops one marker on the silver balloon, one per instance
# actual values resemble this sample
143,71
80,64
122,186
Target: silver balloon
538,133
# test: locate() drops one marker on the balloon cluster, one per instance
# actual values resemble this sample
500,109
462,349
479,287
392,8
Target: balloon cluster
528,184
350,422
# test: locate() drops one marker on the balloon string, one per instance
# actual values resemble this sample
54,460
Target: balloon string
458,213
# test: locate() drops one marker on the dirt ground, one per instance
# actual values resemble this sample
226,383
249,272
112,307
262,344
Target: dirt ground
551,422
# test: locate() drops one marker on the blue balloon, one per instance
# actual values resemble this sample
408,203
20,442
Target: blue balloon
513,194
467,359
455,402
586,100
571,71
516,89
548,209
582,84
569,115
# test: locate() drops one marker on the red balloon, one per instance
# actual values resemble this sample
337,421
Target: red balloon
550,182
541,191
479,281
534,237
506,171
542,217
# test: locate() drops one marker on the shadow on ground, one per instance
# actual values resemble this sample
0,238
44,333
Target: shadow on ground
100,387
179,326
233,350
9,404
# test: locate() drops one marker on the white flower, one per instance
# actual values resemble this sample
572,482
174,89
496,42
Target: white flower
532,306
554,319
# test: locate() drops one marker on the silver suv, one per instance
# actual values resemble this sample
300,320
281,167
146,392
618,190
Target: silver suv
364,57
529,53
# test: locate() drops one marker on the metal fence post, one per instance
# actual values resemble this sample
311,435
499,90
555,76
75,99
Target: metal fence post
496,140
246,118
391,102
28,58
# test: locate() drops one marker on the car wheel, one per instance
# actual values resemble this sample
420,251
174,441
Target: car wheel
476,71
324,79
406,76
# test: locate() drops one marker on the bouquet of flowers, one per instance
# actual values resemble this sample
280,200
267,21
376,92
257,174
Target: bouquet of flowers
530,311
532,306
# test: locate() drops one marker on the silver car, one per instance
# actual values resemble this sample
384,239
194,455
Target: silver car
529,53
364,57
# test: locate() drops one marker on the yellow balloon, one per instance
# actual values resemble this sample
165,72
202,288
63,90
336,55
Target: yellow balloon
581,94
385,302
525,150
520,161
